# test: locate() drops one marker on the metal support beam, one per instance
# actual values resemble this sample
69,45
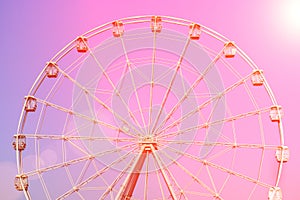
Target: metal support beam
166,178
126,191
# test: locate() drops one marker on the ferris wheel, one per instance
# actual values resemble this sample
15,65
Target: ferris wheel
150,107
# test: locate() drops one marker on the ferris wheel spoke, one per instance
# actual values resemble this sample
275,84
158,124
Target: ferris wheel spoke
152,81
94,176
168,177
252,99
69,69
44,187
40,136
203,95
204,104
259,173
88,103
82,173
211,179
115,68
165,74
83,170
240,175
225,144
223,169
231,69
198,194
208,124
57,85
128,66
76,146
101,67
75,64
183,84
190,174
114,88
96,168
213,110
80,196
225,62
69,175
220,153
111,187
165,175
72,112
57,166
170,84
136,69
75,161
115,150
160,184
189,90
228,175
101,103
103,91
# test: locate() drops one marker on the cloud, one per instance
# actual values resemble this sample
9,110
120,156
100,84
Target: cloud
7,190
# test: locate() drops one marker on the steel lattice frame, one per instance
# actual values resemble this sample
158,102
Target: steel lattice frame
150,107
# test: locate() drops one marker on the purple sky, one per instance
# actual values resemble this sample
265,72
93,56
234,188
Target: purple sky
33,31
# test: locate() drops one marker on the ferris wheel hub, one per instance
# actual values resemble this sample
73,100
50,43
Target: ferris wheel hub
148,143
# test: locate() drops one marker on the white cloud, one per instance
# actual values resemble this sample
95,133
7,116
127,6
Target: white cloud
8,172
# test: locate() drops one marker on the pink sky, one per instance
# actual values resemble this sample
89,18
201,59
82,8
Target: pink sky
33,31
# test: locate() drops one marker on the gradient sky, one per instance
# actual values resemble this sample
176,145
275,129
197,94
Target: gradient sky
33,31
